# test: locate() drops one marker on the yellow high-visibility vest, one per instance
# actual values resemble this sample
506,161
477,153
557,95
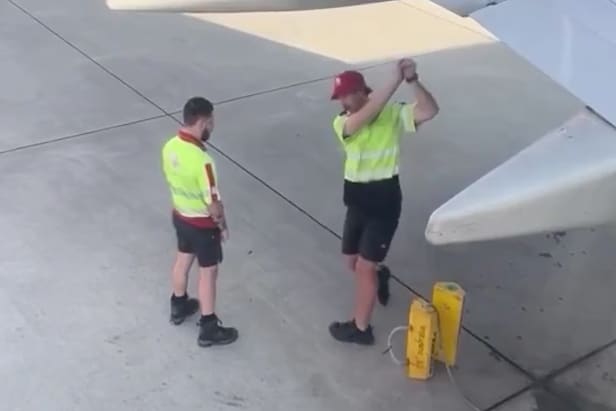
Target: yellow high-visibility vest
373,152
191,176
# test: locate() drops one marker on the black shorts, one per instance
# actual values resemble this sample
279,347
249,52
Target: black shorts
205,243
368,236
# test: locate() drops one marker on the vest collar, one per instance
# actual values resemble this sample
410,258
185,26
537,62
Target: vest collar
189,138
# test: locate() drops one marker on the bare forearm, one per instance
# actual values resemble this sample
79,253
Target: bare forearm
221,222
423,96
217,212
381,96
426,107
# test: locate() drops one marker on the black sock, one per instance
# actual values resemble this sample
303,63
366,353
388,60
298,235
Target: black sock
180,298
208,318
359,329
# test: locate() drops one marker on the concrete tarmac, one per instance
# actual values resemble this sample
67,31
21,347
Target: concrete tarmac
89,96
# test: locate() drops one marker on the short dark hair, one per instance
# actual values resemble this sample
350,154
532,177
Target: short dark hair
195,108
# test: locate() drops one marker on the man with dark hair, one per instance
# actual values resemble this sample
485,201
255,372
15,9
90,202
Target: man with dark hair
369,130
199,220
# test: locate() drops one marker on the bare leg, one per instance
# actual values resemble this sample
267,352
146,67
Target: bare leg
350,261
182,307
212,332
179,275
365,292
207,289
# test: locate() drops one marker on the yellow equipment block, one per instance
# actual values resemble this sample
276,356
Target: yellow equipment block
421,339
448,300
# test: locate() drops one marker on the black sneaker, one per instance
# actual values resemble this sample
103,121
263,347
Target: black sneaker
182,308
349,333
213,333
383,275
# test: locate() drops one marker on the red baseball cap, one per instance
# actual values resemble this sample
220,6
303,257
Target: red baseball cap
348,82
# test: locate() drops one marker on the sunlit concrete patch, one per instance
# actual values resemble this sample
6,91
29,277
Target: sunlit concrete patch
438,11
93,259
361,34
50,90
590,385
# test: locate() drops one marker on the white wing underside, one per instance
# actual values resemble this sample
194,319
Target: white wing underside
566,179
229,6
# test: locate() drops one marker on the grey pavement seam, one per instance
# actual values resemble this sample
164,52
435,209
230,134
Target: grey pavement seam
81,134
169,114
536,381
87,56
544,381
511,397
143,96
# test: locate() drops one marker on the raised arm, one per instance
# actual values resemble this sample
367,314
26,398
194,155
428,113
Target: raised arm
426,106
377,100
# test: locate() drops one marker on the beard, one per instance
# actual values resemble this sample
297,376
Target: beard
205,135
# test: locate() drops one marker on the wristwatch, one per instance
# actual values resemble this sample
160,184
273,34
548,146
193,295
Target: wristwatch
410,80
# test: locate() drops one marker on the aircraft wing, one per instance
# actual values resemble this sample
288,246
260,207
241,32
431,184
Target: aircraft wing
566,179
572,41
230,6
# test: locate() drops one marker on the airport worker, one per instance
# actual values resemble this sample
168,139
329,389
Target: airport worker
199,220
369,129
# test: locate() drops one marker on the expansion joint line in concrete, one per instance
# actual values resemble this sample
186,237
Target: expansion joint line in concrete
87,56
164,112
81,134
536,381
544,382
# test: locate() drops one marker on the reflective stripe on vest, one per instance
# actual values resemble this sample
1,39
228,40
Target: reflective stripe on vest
181,192
371,174
191,213
371,155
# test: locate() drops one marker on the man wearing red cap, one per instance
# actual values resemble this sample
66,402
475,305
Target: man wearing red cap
369,130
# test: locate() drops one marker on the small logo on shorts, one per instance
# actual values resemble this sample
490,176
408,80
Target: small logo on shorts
383,245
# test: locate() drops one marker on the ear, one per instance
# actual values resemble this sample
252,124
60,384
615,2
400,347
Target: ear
201,122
